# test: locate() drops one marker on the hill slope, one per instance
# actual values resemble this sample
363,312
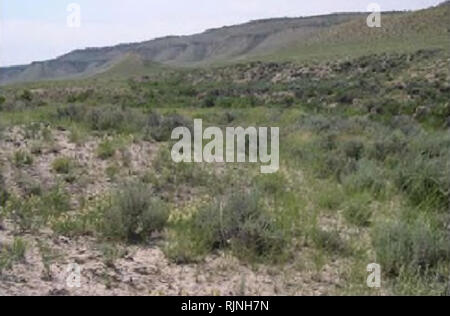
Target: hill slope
274,39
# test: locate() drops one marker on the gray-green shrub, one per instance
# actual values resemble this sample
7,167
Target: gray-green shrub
242,222
134,214
416,246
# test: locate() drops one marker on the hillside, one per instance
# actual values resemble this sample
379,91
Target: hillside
335,35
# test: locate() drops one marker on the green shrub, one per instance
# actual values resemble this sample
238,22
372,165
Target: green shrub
330,196
358,210
393,144
28,185
426,181
171,174
4,195
368,177
2,130
333,164
2,101
112,171
330,241
26,95
272,183
417,246
241,222
18,250
31,213
11,254
22,158
55,202
71,112
33,130
160,128
62,165
134,214
25,214
353,149
113,118
328,142
106,149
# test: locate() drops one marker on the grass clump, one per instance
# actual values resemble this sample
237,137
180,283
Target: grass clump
358,210
22,158
239,222
4,194
330,196
32,212
330,241
425,181
368,177
113,118
28,185
62,165
160,127
274,183
134,215
11,254
106,149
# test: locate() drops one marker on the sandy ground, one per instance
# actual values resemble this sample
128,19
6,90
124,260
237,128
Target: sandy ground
140,270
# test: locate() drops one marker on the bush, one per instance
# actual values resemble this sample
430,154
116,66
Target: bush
30,213
110,118
25,214
2,130
393,144
134,214
425,181
171,174
11,254
26,95
106,150
358,210
353,149
4,195
71,112
334,164
417,246
241,222
368,177
330,241
62,165
22,158
160,128
274,183
28,185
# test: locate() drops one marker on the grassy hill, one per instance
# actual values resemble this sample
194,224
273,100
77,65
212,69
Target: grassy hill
295,39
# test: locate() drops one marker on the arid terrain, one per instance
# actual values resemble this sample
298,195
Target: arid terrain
87,177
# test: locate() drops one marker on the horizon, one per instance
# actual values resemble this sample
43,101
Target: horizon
25,33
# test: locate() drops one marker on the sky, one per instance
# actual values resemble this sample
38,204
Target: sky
35,30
